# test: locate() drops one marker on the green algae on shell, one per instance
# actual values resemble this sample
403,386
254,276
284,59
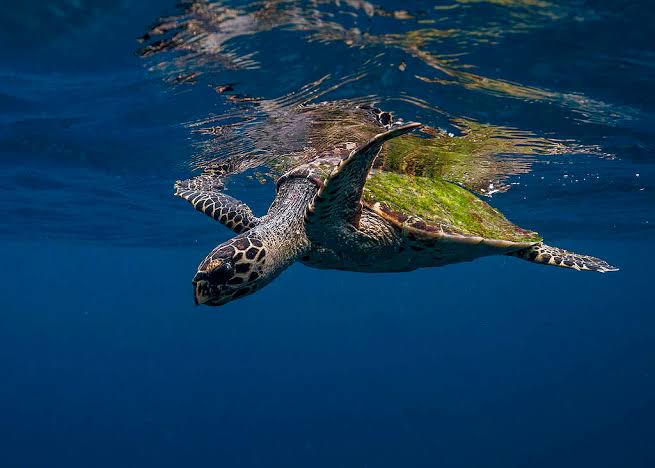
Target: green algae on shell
442,204
476,159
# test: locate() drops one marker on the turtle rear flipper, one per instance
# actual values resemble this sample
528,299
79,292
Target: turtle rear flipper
203,192
547,255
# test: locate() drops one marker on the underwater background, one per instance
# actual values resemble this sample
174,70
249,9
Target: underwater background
105,360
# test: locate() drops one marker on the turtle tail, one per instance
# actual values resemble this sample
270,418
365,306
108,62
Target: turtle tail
542,253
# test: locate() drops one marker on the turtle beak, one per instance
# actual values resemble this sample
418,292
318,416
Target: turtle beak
201,291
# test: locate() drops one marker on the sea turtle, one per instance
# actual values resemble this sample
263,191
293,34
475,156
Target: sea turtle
346,205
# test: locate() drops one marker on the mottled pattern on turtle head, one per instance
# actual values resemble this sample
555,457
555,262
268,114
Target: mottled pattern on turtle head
382,118
232,270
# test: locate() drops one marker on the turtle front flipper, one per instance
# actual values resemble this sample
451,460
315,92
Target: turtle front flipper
203,192
338,201
547,255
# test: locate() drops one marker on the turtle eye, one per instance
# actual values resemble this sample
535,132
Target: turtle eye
221,273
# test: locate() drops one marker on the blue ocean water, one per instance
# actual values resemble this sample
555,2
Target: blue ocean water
498,363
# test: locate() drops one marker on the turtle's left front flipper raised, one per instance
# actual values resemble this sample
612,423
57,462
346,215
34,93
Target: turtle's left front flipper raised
338,201
203,192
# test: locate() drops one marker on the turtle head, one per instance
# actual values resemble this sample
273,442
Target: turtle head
234,269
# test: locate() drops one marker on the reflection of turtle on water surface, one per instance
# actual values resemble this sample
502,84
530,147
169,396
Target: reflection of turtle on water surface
344,204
